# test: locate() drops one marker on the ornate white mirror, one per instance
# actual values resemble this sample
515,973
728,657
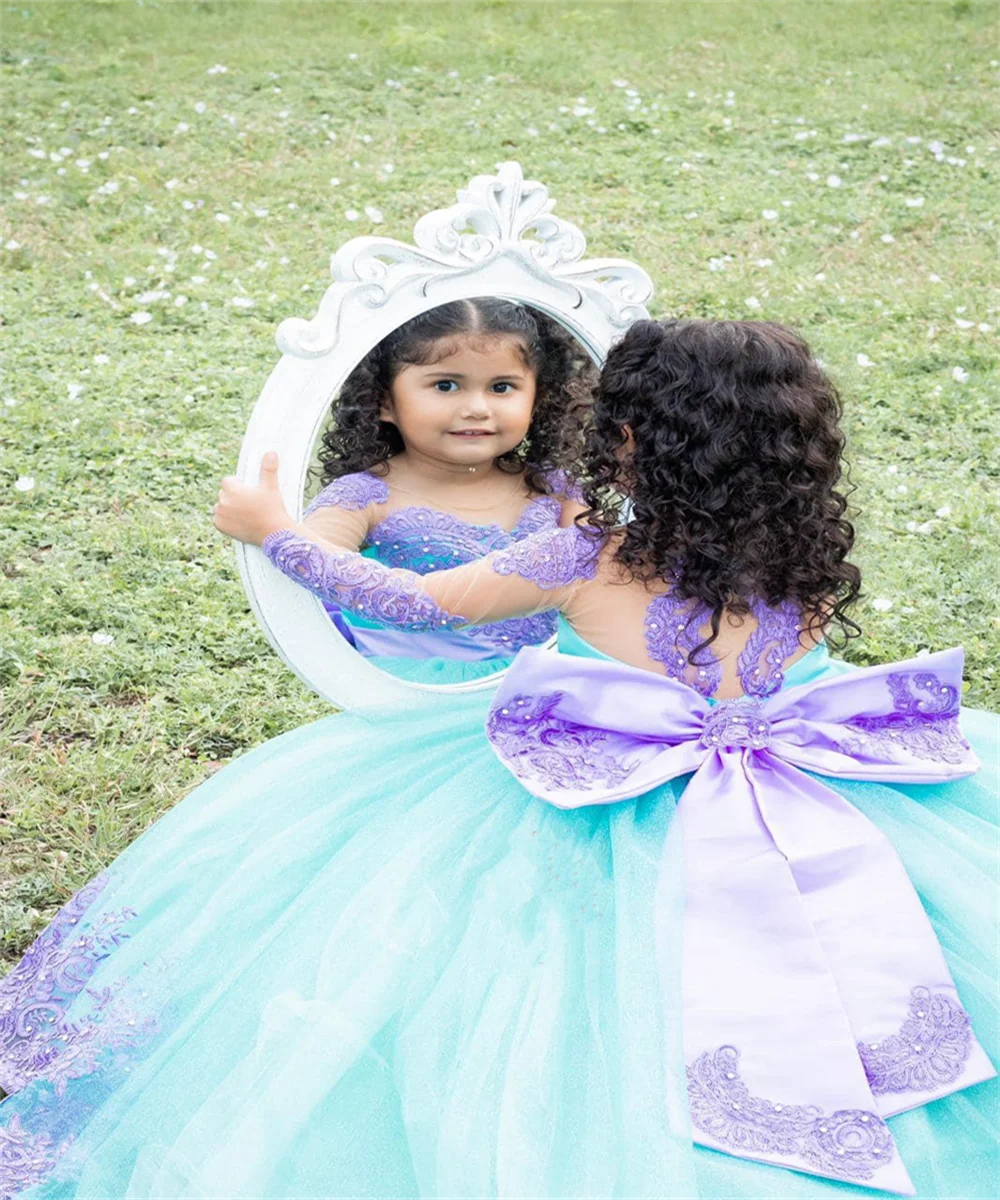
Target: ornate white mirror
499,241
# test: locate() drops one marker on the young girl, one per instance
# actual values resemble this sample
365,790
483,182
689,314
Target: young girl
449,440
652,904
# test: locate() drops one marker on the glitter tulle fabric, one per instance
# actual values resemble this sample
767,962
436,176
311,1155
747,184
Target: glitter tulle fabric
362,961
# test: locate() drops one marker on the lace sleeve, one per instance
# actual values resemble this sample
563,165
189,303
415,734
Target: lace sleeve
535,575
361,585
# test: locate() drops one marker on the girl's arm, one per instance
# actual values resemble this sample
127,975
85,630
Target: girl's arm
538,574
535,575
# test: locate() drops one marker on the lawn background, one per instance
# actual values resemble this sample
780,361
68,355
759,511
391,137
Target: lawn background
757,159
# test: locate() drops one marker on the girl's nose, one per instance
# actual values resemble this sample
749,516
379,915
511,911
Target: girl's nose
475,404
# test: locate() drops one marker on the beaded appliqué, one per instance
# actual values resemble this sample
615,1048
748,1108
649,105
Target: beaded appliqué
929,1051
924,724
673,630
424,540
37,1041
551,560
776,638
353,492
358,583
25,1158
737,724
536,744
848,1144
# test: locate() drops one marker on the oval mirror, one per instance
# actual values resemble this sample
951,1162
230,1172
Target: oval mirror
499,241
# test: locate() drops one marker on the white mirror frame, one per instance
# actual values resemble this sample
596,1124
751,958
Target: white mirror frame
500,239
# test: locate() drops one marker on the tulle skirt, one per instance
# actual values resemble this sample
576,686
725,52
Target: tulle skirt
361,961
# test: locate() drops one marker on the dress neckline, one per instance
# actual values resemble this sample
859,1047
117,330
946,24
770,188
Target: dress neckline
489,526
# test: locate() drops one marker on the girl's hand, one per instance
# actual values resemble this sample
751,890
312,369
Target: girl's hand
249,513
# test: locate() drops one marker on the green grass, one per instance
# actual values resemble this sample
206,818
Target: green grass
738,109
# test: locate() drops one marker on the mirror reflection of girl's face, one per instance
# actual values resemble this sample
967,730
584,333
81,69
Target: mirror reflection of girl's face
468,407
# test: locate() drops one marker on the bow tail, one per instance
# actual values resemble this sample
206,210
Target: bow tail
913,1037
774,1073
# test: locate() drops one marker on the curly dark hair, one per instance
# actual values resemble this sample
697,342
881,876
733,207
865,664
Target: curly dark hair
732,472
566,378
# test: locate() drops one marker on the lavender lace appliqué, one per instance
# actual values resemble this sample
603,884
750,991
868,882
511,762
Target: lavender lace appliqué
924,722
673,631
848,1144
353,492
737,724
551,560
37,1038
393,597
929,1051
25,1158
537,744
776,638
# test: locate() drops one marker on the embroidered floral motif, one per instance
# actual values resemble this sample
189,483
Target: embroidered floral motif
924,724
776,638
424,540
535,743
562,485
352,492
551,560
737,723
673,630
37,1039
929,1051
516,632
393,597
848,1144
25,1158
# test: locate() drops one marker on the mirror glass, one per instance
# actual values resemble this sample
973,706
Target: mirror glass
455,436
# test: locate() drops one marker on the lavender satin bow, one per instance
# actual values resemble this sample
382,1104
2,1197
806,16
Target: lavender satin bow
817,1000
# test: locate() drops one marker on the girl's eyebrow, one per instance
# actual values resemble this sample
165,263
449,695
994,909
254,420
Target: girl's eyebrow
459,375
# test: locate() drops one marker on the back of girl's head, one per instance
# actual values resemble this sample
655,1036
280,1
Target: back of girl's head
565,378
734,471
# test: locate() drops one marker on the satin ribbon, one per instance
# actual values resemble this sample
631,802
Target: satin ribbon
816,997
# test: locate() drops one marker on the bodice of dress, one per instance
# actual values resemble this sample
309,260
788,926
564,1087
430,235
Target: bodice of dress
422,540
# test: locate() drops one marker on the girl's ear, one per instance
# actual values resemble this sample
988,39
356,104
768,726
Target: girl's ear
628,445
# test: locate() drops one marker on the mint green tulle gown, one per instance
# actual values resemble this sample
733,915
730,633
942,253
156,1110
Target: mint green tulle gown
362,961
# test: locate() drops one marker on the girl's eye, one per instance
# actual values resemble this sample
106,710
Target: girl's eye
506,388
445,385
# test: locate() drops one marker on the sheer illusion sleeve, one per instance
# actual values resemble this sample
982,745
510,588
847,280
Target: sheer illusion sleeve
534,575
344,511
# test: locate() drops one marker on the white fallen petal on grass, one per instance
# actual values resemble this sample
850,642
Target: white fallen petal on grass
833,181
943,511
770,214
242,302
351,214
752,302
887,238
960,375
914,201
881,604
73,390
102,639
963,324
24,483
102,360
374,214
141,318
864,361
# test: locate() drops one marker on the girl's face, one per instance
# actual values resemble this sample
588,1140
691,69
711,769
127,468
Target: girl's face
467,408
